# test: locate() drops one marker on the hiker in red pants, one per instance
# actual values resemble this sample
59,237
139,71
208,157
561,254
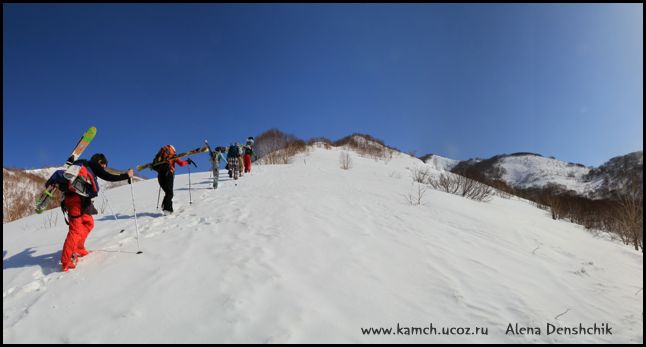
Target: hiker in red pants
78,203
248,152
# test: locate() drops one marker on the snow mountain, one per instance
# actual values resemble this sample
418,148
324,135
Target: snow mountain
439,162
618,173
530,170
309,252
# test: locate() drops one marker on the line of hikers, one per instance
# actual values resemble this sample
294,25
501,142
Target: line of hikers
238,159
78,193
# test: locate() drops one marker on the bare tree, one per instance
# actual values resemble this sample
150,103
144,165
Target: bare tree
555,204
276,147
17,196
415,196
366,145
345,160
463,186
630,216
502,189
445,183
420,174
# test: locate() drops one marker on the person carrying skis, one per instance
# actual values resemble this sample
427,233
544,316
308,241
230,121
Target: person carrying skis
166,174
216,158
233,155
248,152
78,203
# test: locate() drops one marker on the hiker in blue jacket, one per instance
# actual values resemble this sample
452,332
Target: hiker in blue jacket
216,158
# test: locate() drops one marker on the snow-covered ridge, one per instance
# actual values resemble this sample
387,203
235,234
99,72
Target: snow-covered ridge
44,172
439,162
535,171
527,170
620,173
365,145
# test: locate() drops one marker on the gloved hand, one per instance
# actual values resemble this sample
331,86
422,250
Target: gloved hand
190,161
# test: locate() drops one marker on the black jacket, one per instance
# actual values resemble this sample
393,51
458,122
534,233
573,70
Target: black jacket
233,152
100,172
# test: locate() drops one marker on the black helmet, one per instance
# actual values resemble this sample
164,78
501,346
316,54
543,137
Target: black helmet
99,158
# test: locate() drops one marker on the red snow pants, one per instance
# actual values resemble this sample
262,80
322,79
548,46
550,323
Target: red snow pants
247,162
80,228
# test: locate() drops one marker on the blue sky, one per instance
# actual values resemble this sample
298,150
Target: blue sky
461,81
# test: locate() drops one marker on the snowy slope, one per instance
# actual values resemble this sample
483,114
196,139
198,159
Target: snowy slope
535,171
308,252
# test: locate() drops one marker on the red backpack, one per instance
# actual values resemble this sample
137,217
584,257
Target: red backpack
163,156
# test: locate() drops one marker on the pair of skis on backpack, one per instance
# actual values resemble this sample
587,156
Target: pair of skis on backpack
204,148
71,171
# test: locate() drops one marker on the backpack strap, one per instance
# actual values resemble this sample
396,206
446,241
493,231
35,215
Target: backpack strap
65,212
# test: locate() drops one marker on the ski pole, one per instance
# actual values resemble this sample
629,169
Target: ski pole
190,161
190,200
107,202
158,193
132,193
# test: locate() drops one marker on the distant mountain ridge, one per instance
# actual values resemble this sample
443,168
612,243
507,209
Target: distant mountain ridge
521,169
527,170
531,170
439,162
618,172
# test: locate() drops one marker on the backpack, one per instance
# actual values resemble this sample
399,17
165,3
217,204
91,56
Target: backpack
233,152
83,184
164,155
248,150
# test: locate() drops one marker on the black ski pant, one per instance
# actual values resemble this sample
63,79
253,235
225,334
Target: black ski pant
165,179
